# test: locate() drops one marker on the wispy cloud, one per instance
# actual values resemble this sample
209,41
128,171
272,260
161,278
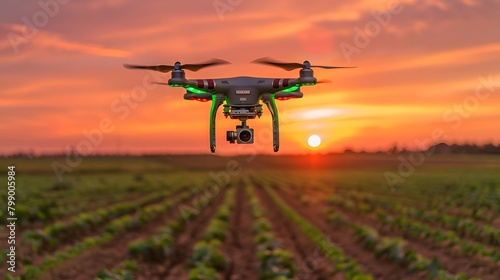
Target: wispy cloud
52,41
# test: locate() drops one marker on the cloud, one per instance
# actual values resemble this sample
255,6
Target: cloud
106,4
46,40
448,58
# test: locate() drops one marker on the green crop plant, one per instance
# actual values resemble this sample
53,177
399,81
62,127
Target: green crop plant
336,219
207,258
260,225
274,261
203,272
207,253
157,248
392,248
217,229
51,235
368,236
125,272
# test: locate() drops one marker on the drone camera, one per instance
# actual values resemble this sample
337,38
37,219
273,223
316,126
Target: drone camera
242,135
231,136
245,135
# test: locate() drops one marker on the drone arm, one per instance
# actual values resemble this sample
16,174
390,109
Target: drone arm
216,102
271,105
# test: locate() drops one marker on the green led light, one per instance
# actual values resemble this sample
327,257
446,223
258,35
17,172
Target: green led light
290,89
194,90
175,85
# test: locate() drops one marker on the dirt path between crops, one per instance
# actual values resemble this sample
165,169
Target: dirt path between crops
344,238
110,255
310,262
452,259
239,247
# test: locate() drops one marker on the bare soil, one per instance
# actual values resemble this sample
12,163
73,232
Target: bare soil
239,247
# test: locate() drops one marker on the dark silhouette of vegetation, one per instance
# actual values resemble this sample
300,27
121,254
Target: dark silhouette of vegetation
441,148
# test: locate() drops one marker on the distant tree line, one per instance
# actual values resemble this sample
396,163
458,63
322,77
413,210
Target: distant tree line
443,148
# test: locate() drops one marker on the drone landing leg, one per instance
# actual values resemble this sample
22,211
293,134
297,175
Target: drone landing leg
216,102
271,105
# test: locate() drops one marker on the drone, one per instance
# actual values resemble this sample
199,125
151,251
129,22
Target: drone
240,96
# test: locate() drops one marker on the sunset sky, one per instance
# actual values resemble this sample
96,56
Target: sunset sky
423,66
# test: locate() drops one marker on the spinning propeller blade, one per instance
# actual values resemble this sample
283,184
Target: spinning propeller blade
272,62
168,68
158,83
212,62
291,66
160,68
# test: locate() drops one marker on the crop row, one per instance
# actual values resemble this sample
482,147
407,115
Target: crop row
418,230
447,238
471,202
473,199
393,249
45,201
46,209
444,207
341,262
462,227
274,261
158,248
113,228
51,235
207,259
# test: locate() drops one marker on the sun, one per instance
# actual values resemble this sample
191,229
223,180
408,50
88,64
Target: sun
314,141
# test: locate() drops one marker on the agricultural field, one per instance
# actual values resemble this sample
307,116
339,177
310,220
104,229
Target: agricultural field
255,217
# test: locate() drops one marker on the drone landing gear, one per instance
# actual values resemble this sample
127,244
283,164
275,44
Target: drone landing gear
271,105
243,133
216,102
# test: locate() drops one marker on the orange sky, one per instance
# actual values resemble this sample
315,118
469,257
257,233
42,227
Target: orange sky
433,65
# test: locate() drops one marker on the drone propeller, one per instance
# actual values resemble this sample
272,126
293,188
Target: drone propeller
323,81
293,65
212,62
158,83
178,66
